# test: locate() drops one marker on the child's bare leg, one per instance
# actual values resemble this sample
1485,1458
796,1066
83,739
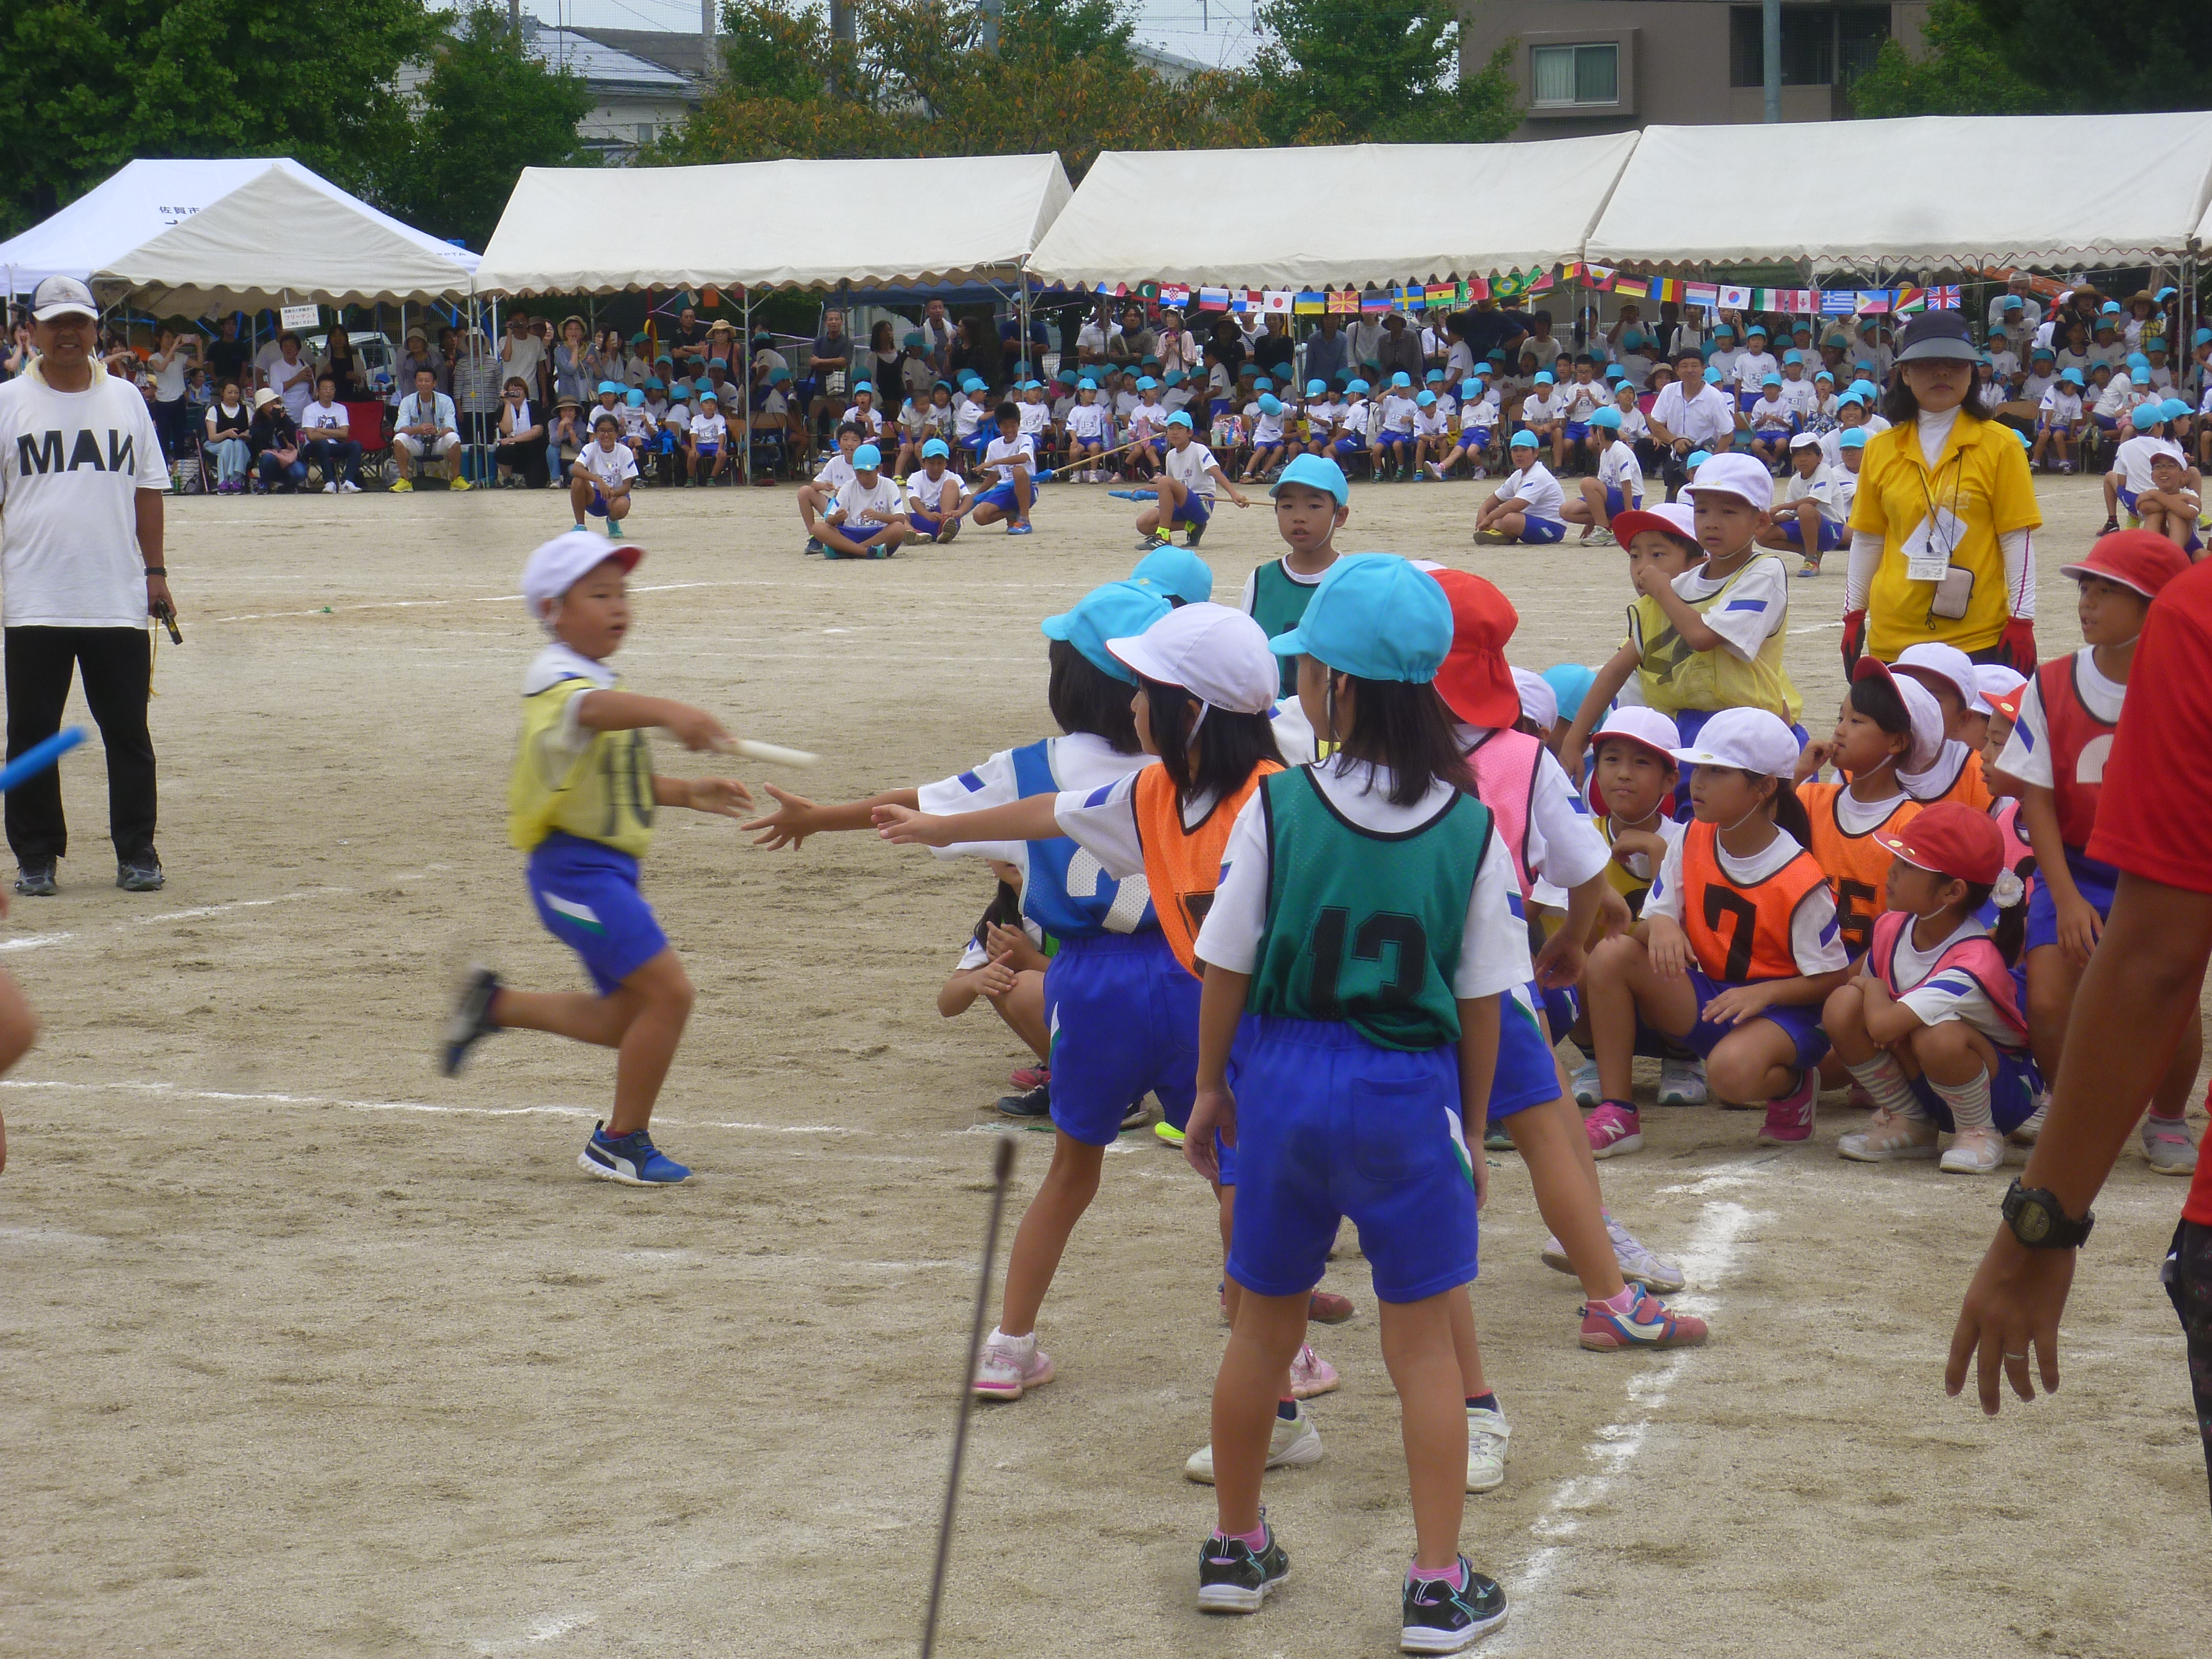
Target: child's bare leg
1061,1198
1023,1009
2051,980
1263,1341
1619,982
649,1045
1417,1348
1753,1064
1461,1305
1552,1142
2169,1100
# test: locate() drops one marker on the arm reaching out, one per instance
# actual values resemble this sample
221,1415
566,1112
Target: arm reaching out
1032,818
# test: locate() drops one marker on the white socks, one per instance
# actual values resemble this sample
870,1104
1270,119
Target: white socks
1885,1080
1969,1101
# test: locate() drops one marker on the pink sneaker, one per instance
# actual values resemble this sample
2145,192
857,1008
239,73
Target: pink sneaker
1649,1323
1613,1129
1789,1120
1026,1077
1311,1374
1008,1365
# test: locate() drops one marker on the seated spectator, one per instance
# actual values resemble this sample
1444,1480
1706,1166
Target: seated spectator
229,435
565,437
275,440
425,425
522,438
329,443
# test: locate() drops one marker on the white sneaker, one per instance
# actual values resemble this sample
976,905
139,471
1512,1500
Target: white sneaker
1975,1151
1681,1083
1294,1443
349,487
1585,1087
1009,1365
1487,1432
2170,1145
329,489
1637,1264
2031,1129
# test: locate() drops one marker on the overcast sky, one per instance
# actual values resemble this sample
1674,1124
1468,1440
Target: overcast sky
1210,31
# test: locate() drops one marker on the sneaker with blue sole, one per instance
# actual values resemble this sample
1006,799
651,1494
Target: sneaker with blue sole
1440,1617
632,1159
471,1022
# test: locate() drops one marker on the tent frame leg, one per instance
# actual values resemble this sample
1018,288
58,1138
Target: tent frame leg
745,315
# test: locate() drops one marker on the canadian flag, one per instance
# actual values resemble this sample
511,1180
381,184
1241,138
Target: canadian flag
1734,299
1277,300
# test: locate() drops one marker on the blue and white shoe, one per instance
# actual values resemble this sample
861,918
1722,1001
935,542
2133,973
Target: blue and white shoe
632,1159
471,1021
1585,1086
1019,529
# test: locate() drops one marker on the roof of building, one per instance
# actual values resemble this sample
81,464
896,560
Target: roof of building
679,54
605,67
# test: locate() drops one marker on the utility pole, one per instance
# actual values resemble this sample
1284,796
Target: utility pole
840,20
515,18
707,58
1771,30
992,11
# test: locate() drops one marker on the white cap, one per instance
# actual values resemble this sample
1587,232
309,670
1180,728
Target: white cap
1640,724
1744,476
1750,739
1538,702
62,296
1994,680
1945,662
1219,655
1926,715
1805,440
561,563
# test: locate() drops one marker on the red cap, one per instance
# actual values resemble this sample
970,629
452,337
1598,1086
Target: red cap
2140,559
2008,704
1951,839
1476,681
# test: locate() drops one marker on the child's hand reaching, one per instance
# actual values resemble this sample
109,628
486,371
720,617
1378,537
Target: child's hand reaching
789,825
694,728
726,797
904,827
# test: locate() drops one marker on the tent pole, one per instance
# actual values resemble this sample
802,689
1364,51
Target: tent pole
745,316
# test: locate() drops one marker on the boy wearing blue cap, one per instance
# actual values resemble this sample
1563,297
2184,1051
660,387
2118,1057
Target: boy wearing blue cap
1394,448
1351,423
1543,417
1320,413
1752,365
1013,457
1311,505
817,498
1616,488
1772,424
1528,506
869,520
1089,432
1362,1083
936,500
1188,479
2129,476
703,440
1176,574
1268,445
2058,422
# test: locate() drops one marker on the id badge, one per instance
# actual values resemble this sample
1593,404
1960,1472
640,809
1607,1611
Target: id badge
1927,550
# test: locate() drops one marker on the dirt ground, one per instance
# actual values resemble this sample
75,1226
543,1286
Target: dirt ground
304,1351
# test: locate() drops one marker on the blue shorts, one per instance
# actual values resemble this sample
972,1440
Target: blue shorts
1616,504
1527,1074
1832,534
1194,511
2127,500
1123,1016
1002,494
1773,435
2012,1093
1533,529
586,895
924,525
1330,1126
2096,881
1395,440
598,509
709,450
1350,446
1577,431
1801,1025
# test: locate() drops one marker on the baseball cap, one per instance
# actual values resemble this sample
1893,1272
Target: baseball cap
1993,681
1218,655
634,397
1744,476
1179,418
1696,459
864,385
1770,380
2173,409
1263,383
1315,472
2042,354
1433,376
1376,617
1759,329
1723,332
1854,439
1750,739
558,565
1949,838
709,397
1317,388
1176,570
1147,383
1805,441
867,459
1538,701
609,385
62,296
2071,376
1271,405
1173,376
1947,663
1571,683
1609,417
1792,355
1828,375
1357,384
1545,377
2147,416
1522,439
1110,610
1866,389
1676,519
2140,559
936,446
1640,725
1474,679
1425,398
2012,303
1401,379
1923,713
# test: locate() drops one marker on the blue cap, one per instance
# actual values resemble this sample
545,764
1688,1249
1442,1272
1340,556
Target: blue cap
1173,376
936,446
1609,418
1770,380
1570,682
702,384
2045,351
1263,383
1545,377
1856,399
1470,388
1270,403
637,397
1086,384
718,362
1523,438
2071,375
2147,416
1317,388
2165,294
1866,389
867,459
2137,360
2110,308
863,385
1117,610
1631,339
611,385
655,384
1180,418
1615,372
2173,408
1759,329
1357,384
1065,377
1425,398
2203,335
1792,355
1315,472
1400,378
1696,459
1723,332
1374,616
1433,376
1855,438
777,376
1824,374
1175,570
1147,383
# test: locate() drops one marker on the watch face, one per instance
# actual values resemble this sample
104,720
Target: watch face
2033,1222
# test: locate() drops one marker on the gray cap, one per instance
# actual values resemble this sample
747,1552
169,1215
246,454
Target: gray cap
1937,334
62,296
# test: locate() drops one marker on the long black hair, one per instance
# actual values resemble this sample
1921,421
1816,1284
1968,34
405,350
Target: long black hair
1877,697
1084,698
2011,931
1407,728
1229,745
1004,911
1789,812
1900,406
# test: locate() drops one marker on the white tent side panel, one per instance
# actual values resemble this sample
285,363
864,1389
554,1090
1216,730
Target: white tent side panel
772,224
1304,218
278,238
2057,189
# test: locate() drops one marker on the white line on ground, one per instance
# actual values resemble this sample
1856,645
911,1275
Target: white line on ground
474,599
33,941
1818,628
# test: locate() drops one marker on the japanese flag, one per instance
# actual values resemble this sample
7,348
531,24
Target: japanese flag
1277,300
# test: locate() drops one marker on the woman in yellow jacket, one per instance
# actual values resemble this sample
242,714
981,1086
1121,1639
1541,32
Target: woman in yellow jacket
1941,531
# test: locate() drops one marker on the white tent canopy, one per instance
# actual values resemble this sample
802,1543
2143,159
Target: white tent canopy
1308,217
274,226
772,224
2048,190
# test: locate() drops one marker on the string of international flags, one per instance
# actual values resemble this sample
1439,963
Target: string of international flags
1517,285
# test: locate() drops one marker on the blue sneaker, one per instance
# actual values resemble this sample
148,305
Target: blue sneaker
471,1021
632,1159
1018,530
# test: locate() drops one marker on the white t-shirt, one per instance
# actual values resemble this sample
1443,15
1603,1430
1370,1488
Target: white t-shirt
294,382
1584,397
1950,995
1634,428
1720,366
1760,605
2061,404
855,497
71,463
610,469
1433,422
1493,953
1002,455
1705,420
323,417
1079,760
2027,754
1815,942
967,416
1820,486
1086,424
928,493
1192,466
1770,414
1536,485
1800,398
1540,407
1619,469
1036,417
836,472
1753,366
1480,413
2133,458
1398,414
707,430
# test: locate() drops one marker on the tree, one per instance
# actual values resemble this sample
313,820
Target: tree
86,85
2046,57
489,110
1380,70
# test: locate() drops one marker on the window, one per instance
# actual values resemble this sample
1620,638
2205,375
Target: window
1566,75
1821,45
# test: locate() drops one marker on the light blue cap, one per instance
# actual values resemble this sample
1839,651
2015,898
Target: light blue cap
1317,388
1175,570
2072,376
611,385
1759,329
2110,308
1545,377
1173,376
1376,617
2173,408
1065,377
1770,380
1425,399
2137,360
1523,438
1181,419
1696,459
1570,682
1115,610
1357,384
656,384
867,459
1270,403
1609,418
1086,384
1433,376
637,397
1400,378
2026,442
936,446
1470,388
2204,335
1315,472
1866,389
1855,397
702,384
1147,383
1824,374
2147,416
1792,355
1615,372
1263,383
1855,438
1723,332
863,385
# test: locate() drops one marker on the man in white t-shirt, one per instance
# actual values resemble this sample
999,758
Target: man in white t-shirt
291,375
521,353
326,440
425,425
81,486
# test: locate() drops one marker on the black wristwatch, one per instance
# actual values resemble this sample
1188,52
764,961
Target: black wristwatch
2038,1221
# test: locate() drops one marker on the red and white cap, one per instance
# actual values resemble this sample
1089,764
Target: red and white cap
1647,726
1951,839
2140,559
1677,518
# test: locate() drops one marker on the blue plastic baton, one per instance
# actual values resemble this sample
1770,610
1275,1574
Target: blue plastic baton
38,758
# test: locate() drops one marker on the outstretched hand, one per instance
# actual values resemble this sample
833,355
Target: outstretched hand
725,797
904,827
789,824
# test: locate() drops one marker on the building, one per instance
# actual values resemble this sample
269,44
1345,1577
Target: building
1589,66
634,99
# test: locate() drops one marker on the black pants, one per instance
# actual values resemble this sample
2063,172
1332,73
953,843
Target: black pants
119,675
527,458
2188,1277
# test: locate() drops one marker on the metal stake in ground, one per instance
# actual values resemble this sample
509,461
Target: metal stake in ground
1002,1169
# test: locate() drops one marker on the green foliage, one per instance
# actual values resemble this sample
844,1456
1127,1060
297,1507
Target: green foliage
1379,70
489,111
2046,57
